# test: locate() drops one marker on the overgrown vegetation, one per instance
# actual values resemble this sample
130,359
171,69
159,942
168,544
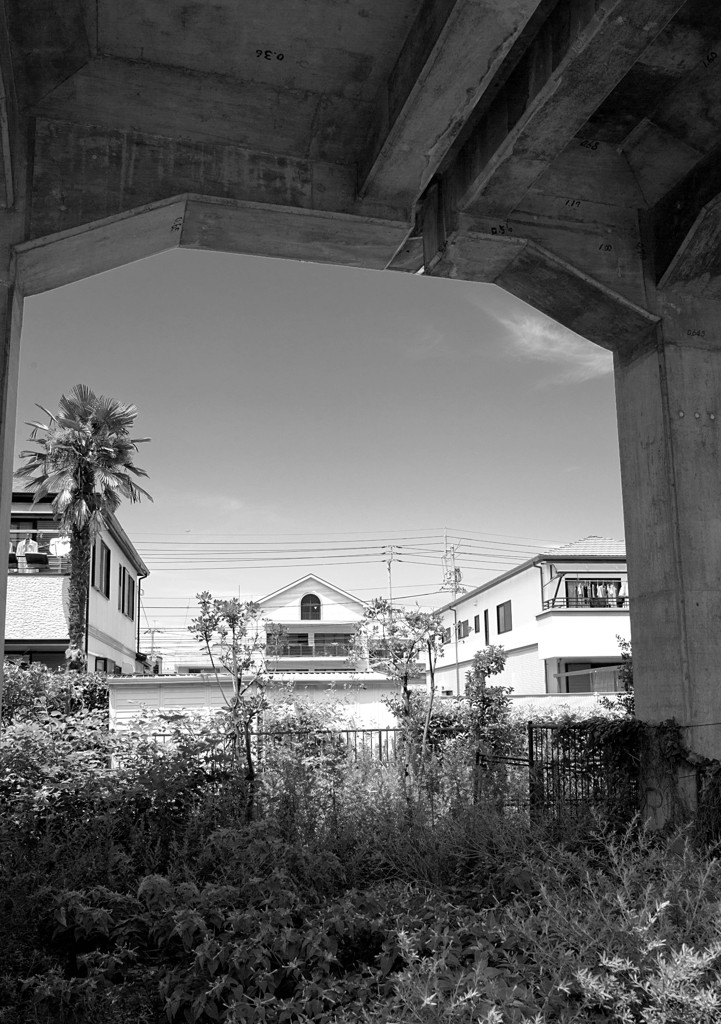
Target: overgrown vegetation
133,888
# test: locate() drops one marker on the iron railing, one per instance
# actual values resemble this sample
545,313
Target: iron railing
569,773
615,603
311,650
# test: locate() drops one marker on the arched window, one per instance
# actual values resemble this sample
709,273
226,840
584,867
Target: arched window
310,607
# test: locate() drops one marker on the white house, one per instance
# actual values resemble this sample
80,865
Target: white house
314,651
557,616
36,618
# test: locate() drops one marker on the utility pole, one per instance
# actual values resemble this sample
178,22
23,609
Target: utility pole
390,551
452,581
153,630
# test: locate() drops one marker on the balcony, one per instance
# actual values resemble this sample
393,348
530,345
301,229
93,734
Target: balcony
339,650
614,603
35,552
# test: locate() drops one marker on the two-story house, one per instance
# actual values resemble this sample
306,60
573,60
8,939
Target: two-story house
557,615
36,619
311,626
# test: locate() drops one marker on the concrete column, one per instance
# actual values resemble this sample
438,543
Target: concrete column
669,417
12,232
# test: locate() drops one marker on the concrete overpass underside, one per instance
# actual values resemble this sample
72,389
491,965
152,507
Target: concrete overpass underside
566,150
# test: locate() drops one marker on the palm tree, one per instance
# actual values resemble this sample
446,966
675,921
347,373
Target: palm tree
86,462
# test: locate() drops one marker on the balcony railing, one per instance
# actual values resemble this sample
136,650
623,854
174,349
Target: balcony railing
38,562
38,549
313,651
613,603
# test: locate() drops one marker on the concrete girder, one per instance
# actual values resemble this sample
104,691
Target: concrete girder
550,284
83,174
204,222
131,96
50,43
577,59
687,230
452,53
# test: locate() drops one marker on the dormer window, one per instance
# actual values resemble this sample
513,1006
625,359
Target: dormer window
310,607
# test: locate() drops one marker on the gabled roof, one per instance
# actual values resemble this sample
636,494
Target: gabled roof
589,547
309,580
585,549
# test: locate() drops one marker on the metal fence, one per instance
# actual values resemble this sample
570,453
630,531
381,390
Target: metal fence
377,744
570,773
562,772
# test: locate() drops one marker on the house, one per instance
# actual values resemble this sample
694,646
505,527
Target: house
36,619
311,626
557,615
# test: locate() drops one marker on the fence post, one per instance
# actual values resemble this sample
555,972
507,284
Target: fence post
534,803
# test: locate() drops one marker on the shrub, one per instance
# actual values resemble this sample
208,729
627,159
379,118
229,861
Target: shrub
37,691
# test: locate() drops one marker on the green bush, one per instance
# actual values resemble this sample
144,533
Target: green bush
36,691
134,889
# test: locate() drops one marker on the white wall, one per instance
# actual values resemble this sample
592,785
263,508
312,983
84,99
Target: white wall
111,633
524,670
335,607
364,707
582,633
37,607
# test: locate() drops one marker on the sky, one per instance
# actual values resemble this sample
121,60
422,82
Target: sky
308,418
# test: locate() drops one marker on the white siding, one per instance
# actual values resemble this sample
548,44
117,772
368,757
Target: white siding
112,634
336,606
363,705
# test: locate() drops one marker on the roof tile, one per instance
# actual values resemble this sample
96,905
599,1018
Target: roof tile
588,547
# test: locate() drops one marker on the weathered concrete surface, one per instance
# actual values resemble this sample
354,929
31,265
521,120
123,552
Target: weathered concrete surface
566,150
669,414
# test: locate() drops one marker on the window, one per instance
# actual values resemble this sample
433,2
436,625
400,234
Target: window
100,568
476,623
463,629
104,665
503,615
294,645
126,592
590,677
446,636
486,627
310,607
333,644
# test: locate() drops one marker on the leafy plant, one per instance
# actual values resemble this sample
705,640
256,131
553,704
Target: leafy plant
85,461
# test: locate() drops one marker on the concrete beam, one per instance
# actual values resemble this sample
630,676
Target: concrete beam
453,52
208,107
312,235
50,43
204,222
83,174
9,118
550,284
687,229
67,256
578,57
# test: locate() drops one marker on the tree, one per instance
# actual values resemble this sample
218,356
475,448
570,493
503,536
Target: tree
491,731
624,701
394,639
232,632
85,461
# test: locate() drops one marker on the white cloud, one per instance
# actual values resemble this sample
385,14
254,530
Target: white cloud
426,344
574,359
